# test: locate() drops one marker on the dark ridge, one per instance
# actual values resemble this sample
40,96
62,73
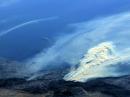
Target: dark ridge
109,86
11,82
52,81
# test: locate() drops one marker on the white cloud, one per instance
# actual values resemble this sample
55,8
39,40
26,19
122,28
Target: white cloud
100,61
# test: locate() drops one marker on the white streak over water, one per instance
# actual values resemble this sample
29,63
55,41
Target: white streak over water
25,24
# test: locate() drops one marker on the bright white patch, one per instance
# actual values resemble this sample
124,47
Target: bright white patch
98,62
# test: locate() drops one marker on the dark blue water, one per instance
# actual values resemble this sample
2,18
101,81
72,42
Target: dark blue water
27,41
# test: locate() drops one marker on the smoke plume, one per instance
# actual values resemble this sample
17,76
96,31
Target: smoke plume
71,48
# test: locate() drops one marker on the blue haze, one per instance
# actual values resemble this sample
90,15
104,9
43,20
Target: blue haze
27,41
